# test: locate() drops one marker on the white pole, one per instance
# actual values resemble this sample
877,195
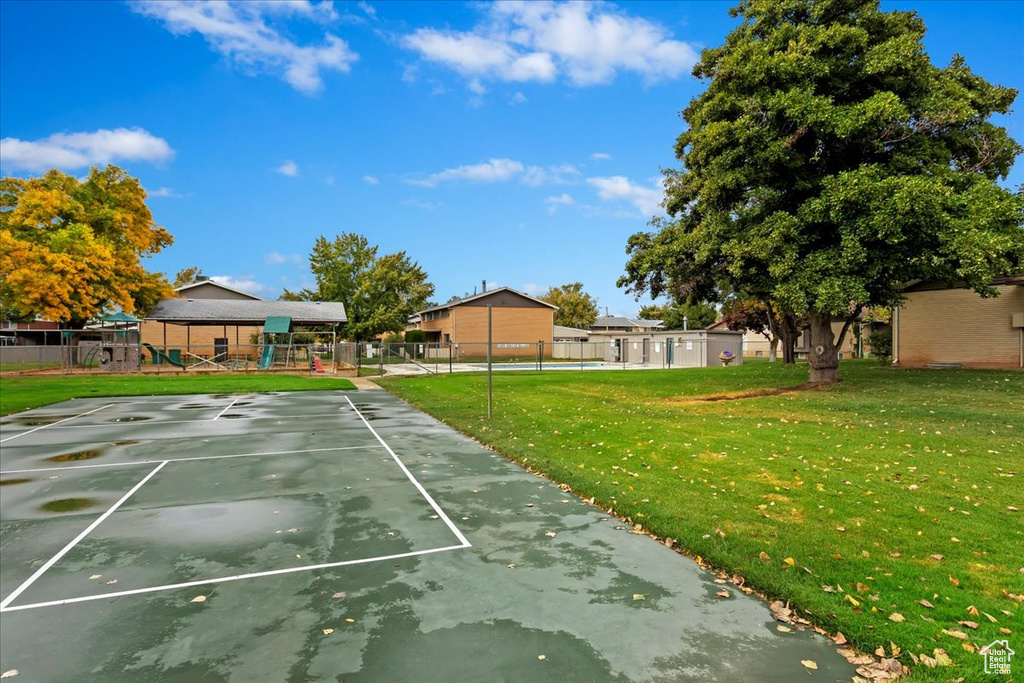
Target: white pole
490,378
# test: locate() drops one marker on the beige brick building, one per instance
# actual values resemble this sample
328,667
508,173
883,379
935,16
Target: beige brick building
517,320
954,325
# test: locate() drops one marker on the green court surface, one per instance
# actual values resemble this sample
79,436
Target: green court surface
337,536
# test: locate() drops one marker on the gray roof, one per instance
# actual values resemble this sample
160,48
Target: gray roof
489,292
622,321
242,312
558,331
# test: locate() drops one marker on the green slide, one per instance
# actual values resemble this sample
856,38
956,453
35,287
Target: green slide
161,357
267,358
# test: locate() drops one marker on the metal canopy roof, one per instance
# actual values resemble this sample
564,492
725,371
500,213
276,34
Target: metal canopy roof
277,324
241,312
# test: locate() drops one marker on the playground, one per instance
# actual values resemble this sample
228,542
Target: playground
339,536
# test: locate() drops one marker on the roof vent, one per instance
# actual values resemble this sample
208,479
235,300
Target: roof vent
191,300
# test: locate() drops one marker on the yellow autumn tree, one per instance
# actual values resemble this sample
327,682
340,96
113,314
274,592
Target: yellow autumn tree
71,250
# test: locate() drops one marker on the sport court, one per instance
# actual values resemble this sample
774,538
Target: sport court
337,536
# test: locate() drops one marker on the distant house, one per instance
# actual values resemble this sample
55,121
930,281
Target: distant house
518,322
756,345
940,324
561,333
618,323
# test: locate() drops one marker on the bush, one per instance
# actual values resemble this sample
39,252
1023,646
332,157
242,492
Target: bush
416,337
880,341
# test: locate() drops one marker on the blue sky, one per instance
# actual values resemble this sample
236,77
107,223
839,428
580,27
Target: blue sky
515,143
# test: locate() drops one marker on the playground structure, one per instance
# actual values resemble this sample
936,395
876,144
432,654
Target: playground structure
111,346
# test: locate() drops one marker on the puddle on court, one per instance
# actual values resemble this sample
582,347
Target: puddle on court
125,442
41,421
192,406
232,416
68,504
131,418
76,456
12,482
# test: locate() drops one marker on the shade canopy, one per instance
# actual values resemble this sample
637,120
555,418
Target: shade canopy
277,324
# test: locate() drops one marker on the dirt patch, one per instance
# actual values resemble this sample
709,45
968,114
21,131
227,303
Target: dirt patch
753,393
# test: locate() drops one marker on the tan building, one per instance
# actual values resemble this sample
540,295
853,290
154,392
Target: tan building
202,339
518,322
937,324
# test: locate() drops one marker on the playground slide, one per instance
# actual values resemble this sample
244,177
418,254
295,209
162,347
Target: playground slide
160,357
267,358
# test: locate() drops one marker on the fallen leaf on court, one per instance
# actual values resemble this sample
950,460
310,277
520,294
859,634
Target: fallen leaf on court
111,582
809,663
897,617
350,621
11,673
542,657
550,534
339,594
783,629
297,556
291,531
529,505
328,631
840,639
94,577
639,596
511,565
722,593
925,603
198,598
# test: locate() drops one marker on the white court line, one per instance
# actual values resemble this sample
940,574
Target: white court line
198,457
423,491
143,423
99,520
227,409
15,436
239,577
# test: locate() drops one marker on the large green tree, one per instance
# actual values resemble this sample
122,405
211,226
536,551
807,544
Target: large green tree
681,316
576,308
828,162
379,292
73,249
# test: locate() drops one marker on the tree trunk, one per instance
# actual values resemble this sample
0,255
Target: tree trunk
773,349
823,357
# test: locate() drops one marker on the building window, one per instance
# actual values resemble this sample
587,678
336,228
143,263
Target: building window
447,338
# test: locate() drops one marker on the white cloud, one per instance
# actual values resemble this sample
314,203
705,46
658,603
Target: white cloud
476,87
601,156
492,171
371,180
288,168
243,283
535,290
79,150
564,174
561,200
588,43
423,206
620,188
276,258
518,98
329,180
240,32
370,10
164,192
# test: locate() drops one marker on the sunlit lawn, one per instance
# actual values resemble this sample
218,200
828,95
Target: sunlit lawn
22,393
898,494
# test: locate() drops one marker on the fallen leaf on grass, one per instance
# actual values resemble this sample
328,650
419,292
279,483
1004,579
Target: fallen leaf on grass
809,663
991,618
968,646
972,610
840,639
1003,629
198,598
862,588
764,557
925,603
328,631
954,633
790,561
955,581
968,624
880,651
852,600
894,649
937,558
897,617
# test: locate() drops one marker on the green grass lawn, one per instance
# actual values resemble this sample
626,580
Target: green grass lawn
889,508
22,393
